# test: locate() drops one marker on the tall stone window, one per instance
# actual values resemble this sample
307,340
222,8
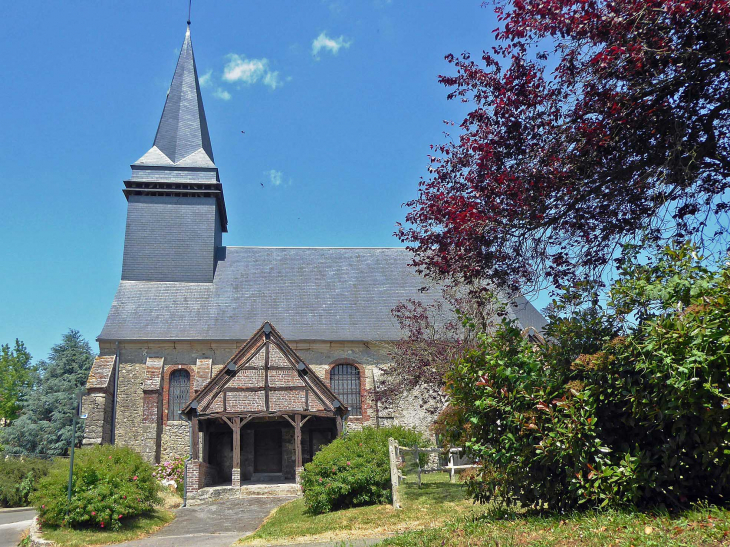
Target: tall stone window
345,382
179,393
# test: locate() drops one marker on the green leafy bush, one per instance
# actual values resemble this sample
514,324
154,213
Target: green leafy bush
353,470
18,478
627,406
110,484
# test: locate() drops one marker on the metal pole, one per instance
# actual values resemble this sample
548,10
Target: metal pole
73,446
116,394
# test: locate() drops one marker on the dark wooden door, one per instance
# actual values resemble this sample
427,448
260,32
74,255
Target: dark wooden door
267,451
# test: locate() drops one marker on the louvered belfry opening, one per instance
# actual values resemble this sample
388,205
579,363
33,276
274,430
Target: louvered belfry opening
345,382
179,393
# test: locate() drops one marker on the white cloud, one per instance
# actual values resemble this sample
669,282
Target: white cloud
276,178
206,79
333,45
272,80
222,94
249,71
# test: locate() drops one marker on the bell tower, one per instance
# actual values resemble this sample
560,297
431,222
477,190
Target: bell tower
176,214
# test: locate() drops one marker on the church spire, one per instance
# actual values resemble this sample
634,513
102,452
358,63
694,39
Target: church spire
182,137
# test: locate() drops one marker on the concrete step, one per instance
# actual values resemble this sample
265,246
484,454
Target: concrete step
270,489
257,489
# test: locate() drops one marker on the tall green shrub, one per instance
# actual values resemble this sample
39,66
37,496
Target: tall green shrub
625,407
110,484
353,470
18,479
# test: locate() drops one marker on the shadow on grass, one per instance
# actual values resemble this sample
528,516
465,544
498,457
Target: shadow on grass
434,492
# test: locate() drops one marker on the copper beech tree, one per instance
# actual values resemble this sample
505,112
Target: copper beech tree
594,122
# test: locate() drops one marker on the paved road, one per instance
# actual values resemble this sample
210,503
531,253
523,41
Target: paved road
212,525
12,525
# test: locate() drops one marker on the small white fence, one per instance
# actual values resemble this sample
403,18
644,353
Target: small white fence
395,452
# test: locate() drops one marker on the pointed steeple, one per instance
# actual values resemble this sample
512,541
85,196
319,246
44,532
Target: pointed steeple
182,137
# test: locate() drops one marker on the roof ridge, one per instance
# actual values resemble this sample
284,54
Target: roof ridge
305,247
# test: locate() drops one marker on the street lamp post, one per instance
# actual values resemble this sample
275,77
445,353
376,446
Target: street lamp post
77,408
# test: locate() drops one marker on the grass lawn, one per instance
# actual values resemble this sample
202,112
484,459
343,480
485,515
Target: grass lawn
698,527
131,529
431,505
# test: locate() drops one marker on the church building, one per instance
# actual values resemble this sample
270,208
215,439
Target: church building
245,359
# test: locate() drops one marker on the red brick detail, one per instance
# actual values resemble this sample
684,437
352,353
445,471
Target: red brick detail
150,405
286,400
364,394
100,374
200,475
248,378
284,378
241,401
166,386
153,374
204,373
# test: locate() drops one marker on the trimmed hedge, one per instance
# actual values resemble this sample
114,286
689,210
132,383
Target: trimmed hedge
353,470
18,478
110,484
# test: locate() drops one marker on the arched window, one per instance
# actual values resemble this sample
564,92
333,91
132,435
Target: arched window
179,393
345,382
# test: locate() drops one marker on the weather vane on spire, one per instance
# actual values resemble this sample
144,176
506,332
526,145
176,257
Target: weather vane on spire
190,5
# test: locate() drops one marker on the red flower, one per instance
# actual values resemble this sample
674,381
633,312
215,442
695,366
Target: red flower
348,463
124,497
120,516
134,478
102,525
93,513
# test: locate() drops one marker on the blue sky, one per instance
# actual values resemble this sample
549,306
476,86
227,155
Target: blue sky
339,102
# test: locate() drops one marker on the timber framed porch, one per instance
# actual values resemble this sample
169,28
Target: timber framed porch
260,418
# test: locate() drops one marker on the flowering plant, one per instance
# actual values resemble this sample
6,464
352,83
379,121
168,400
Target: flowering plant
171,473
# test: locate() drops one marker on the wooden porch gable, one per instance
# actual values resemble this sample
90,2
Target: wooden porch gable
265,375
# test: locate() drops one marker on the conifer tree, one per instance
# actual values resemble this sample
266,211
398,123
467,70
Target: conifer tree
44,426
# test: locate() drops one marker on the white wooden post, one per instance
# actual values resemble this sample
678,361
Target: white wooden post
418,462
452,478
394,481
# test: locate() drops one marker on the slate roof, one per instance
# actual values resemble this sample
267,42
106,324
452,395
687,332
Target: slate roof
182,137
308,293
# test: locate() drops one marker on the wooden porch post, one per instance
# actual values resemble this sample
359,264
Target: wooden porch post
236,472
298,441
339,425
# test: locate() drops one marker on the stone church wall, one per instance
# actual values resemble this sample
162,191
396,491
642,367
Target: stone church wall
175,440
164,440
128,427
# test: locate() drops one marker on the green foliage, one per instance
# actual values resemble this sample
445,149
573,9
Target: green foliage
18,478
44,426
110,484
16,378
353,470
628,406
